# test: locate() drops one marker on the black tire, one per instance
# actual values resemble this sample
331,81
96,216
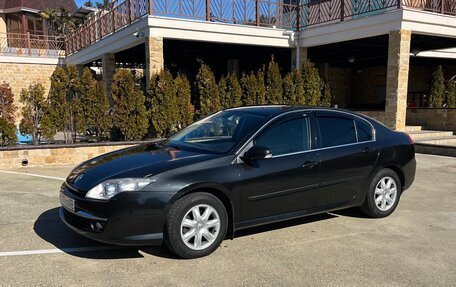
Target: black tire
369,207
172,231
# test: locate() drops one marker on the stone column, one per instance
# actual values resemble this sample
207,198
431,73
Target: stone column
397,79
302,57
154,56
109,69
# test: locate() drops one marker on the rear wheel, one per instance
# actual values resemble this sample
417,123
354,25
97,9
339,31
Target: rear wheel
196,225
383,194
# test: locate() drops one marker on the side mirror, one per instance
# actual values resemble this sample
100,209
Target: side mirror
256,153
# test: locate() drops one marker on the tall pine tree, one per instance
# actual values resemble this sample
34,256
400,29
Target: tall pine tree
437,93
207,94
183,97
274,90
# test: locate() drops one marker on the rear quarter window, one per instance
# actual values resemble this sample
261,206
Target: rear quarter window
364,130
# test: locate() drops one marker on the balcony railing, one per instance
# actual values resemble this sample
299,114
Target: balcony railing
13,44
286,14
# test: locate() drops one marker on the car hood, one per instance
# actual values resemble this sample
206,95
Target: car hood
138,161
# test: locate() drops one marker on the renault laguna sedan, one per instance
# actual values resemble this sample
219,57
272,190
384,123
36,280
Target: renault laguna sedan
236,169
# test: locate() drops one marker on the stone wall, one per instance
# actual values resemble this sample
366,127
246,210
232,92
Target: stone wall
45,156
20,75
432,119
376,115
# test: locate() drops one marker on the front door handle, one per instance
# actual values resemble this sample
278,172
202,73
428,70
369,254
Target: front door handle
309,164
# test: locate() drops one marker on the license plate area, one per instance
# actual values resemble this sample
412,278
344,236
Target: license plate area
67,202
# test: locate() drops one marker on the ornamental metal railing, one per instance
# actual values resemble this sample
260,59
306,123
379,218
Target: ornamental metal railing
283,14
15,44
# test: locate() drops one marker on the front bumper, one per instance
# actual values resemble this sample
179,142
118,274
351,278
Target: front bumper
130,218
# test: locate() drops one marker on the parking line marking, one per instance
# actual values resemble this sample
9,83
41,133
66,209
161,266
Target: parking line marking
31,174
58,250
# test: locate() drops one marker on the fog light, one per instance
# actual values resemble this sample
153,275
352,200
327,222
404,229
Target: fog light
96,226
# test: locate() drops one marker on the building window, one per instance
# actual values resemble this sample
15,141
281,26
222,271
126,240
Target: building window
14,23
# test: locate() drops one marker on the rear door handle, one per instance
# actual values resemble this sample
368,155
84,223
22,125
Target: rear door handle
309,164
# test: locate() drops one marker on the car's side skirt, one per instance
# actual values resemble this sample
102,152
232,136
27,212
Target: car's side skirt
292,215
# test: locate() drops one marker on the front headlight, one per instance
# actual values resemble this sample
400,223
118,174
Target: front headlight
111,187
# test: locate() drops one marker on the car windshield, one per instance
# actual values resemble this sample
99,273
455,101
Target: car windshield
218,133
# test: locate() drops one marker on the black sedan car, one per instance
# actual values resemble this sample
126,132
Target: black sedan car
235,169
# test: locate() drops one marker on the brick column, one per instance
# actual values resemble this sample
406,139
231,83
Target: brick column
302,57
397,79
154,56
109,69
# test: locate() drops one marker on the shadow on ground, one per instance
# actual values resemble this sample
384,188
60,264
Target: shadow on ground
51,229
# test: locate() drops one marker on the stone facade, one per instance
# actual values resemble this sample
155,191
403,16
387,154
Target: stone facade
154,56
340,80
20,76
432,119
397,79
53,156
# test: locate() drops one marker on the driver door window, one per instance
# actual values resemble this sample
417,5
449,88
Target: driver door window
287,137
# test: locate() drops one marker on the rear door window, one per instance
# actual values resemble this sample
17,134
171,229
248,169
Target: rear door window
336,131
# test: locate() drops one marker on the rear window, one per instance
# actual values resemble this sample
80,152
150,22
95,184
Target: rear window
364,130
335,131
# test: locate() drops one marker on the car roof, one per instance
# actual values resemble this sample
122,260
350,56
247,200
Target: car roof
275,110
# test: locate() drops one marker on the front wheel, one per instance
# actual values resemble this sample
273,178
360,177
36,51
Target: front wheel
383,194
196,225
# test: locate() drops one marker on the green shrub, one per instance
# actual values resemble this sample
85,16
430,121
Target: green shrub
207,94
183,97
162,103
33,110
129,112
437,92
451,97
274,90
7,132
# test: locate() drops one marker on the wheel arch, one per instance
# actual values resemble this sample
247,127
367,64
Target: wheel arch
218,192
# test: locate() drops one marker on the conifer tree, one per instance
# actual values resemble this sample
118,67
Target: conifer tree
233,89
312,84
289,89
260,98
249,86
74,99
7,107
274,90
34,106
7,132
224,96
183,97
207,95
451,97
58,115
326,97
7,116
162,103
437,93
299,88
230,91
129,112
